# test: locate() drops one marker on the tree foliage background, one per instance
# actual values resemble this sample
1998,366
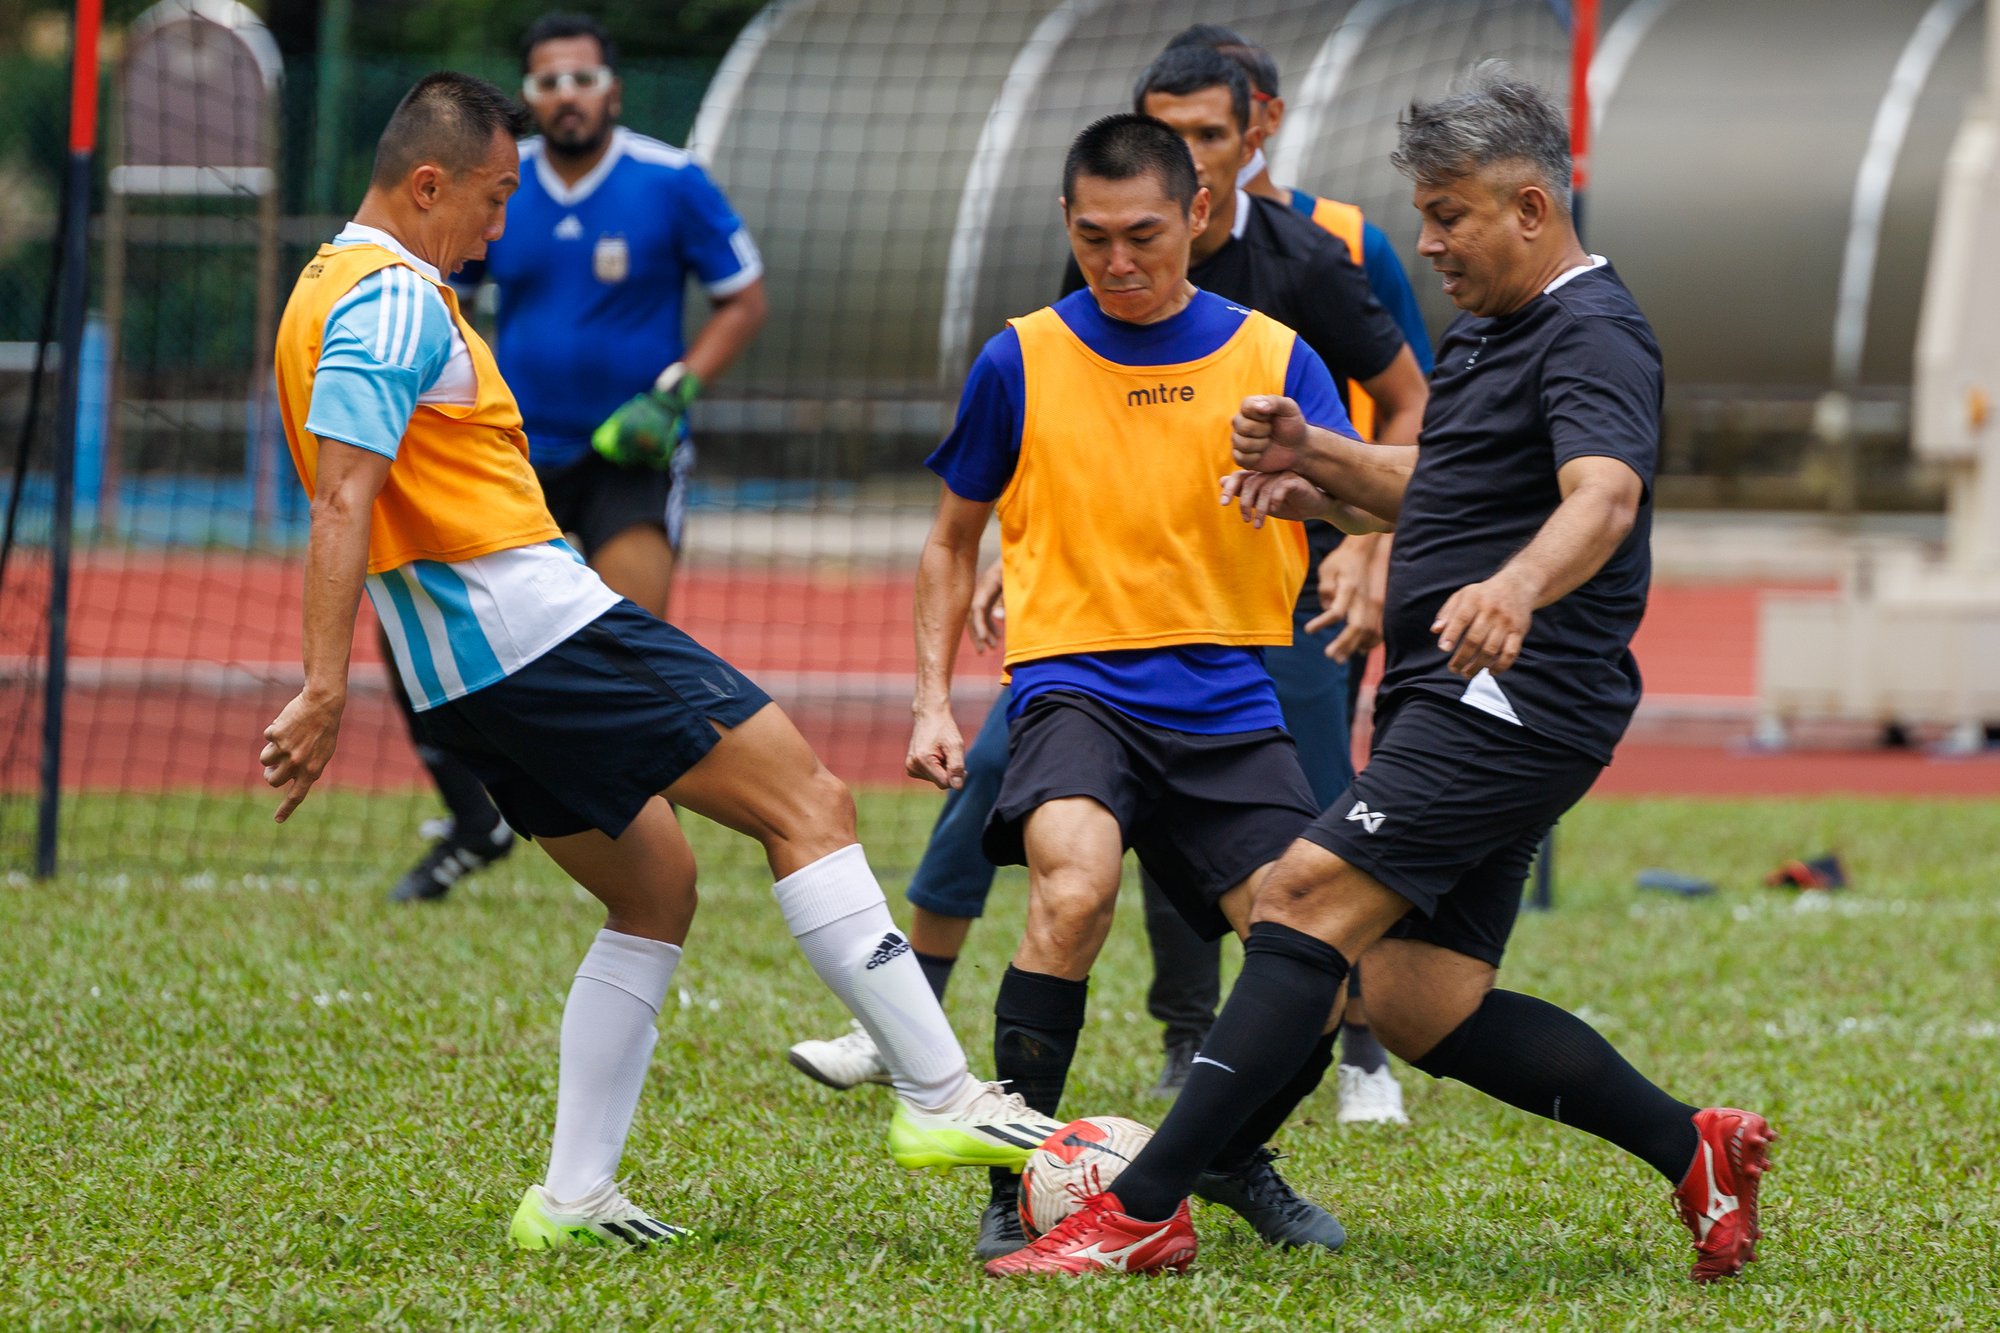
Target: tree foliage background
440,28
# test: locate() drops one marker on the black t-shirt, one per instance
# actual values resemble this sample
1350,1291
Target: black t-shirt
1286,266
1575,373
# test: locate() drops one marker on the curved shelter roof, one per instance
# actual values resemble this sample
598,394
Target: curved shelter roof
899,161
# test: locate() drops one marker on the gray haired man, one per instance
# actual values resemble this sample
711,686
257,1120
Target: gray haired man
1519,575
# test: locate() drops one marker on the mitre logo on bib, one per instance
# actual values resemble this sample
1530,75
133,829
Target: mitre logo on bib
612,260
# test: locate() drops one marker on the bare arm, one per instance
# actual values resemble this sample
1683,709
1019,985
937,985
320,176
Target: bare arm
1482,625
730,327
945,575
300,743
1269,435
1400,393
1352,577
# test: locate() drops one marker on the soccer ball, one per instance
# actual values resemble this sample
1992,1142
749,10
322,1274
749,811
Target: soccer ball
1078,1160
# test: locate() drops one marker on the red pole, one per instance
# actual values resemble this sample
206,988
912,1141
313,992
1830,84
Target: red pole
83,76
1582,46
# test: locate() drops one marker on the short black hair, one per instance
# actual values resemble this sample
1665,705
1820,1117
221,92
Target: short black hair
1257,64
448,119
1120,147
557,25
1180,71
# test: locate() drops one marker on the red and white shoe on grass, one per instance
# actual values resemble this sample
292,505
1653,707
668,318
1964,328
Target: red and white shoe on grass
1100,1238
1718,1198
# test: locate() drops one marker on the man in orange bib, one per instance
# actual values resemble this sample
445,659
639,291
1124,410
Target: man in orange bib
582,714
1142,715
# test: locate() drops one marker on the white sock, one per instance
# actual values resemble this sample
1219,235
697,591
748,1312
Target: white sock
836,912
607,1042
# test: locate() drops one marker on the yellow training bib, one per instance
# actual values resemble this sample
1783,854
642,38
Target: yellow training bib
461,485
1111,534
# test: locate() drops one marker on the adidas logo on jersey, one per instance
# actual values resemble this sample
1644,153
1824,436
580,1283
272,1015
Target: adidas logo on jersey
569,229
893,946
1370,820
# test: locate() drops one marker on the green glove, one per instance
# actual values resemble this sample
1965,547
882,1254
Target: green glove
647,431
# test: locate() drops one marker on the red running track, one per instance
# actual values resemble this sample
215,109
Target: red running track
142,622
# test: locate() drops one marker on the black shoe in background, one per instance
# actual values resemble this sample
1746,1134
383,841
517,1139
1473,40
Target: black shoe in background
1174,1074
1000,1225
449,860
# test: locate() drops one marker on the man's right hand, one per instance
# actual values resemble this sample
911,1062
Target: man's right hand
1268,434
299,744
937,750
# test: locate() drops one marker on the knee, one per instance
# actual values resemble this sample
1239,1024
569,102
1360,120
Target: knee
822,810
1288,897
1068,916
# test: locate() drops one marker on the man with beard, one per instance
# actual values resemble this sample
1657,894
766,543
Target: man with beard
606,229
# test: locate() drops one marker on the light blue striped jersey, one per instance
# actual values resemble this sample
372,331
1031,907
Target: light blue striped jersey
390,345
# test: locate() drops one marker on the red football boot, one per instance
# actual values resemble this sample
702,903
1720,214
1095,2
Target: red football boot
1100,1238
1718,1198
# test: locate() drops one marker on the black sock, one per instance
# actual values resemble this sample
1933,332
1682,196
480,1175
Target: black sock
1264,1122
1530,1054
1359,1048
937,971
1261,1039
1036,1021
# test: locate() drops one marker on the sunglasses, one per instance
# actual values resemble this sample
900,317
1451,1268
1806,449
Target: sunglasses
594,80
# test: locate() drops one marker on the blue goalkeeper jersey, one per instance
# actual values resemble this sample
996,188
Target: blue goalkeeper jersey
592,280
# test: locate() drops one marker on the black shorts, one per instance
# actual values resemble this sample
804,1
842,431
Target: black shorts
1202,812
1449,813
595,499
583,736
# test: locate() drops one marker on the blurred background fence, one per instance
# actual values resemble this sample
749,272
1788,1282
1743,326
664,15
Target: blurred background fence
897,162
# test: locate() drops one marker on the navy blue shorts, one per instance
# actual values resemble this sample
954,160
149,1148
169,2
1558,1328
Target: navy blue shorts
1202,812
1448,814
583,736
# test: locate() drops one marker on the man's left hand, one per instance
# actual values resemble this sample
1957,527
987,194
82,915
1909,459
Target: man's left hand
1482,625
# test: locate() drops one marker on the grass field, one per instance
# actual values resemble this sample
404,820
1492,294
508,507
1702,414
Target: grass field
273,1102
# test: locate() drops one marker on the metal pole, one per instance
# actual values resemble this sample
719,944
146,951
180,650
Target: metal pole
1543,896
263,440
76,253
330,100
1582,47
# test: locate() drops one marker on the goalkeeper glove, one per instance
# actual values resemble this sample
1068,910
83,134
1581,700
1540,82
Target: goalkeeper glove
646,431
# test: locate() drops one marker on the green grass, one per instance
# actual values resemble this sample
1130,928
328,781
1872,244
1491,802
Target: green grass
270,1101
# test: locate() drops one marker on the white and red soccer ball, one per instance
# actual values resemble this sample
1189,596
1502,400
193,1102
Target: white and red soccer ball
1082,1158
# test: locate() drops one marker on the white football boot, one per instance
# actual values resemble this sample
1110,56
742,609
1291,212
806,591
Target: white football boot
847,1061
1370,1099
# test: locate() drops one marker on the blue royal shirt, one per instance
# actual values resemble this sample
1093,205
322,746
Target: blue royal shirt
1202,689
593,280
